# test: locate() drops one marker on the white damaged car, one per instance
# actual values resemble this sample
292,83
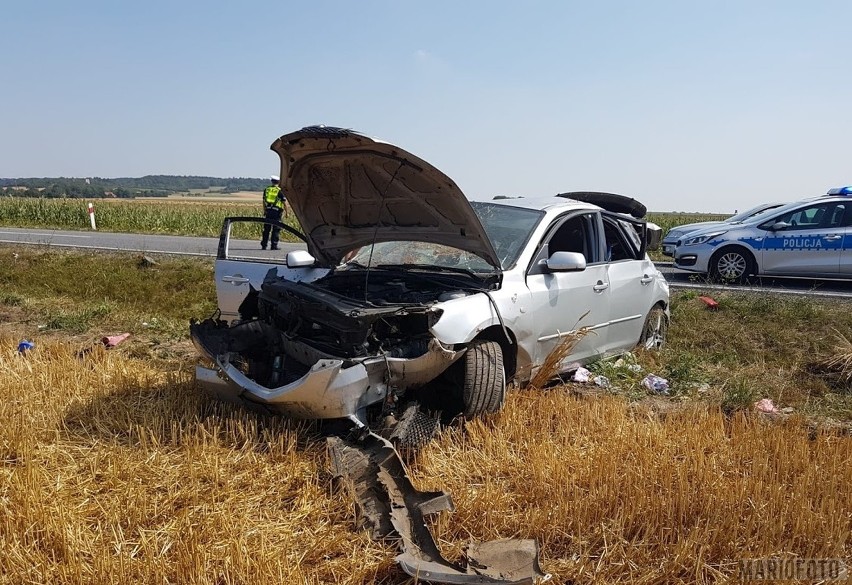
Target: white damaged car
408,290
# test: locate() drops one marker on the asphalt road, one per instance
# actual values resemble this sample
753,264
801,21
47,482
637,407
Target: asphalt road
206,247
181,245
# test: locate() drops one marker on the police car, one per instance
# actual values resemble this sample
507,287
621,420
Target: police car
676,233
808,238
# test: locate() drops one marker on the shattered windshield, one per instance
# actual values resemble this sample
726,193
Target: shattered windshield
411,253
507,227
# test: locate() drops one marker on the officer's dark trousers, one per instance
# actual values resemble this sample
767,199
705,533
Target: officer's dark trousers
271,213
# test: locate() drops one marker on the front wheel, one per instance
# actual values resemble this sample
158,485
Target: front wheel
483,380
655,329
731,265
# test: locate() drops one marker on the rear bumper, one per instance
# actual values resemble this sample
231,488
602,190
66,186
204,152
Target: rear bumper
330,389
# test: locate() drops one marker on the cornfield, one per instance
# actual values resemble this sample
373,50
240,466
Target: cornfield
180,218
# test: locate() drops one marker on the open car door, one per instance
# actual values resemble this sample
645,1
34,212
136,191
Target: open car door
242,266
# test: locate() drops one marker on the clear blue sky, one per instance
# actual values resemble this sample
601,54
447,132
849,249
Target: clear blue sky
701,106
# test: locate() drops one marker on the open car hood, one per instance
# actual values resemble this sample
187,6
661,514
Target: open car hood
348,191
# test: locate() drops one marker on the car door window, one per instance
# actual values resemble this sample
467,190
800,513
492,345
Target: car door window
577,233
618,246
823,215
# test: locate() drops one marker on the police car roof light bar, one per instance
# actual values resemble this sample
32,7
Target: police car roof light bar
840,191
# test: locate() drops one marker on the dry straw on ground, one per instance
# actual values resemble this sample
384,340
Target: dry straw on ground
113,472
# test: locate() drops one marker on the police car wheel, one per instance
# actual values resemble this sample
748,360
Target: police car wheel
731,265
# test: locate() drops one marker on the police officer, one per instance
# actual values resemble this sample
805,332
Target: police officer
273,206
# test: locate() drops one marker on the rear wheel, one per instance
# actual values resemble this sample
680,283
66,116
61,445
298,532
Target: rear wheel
483,378
655,330
732,264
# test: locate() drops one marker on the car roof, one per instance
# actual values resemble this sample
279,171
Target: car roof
543,203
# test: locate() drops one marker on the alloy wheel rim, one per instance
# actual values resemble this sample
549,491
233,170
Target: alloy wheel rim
732,265
655,335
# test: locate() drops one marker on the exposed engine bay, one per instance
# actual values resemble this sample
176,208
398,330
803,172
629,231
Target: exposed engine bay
350,314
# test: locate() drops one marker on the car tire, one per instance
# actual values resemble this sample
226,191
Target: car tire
483,380
732,264
655,330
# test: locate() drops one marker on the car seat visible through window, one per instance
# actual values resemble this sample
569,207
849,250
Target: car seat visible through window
570,237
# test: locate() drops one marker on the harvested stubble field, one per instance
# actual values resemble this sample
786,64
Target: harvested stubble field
113,469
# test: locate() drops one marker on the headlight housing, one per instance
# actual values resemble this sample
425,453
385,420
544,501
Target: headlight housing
703,238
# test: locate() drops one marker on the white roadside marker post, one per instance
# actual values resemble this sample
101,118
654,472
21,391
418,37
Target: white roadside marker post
92,215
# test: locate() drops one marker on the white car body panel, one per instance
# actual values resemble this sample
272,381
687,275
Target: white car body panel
526,307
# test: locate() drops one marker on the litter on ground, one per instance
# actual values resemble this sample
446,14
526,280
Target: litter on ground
656,384
766,405
581,375
110,341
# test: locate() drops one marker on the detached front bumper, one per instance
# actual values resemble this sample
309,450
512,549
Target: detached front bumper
332,388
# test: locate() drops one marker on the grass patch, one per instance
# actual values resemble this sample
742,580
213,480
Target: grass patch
78,320
11,299
78,286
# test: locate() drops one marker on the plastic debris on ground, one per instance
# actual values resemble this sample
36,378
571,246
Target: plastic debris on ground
111,341
711,303
766,405
581,375
656,384
147,262
24,346
601,381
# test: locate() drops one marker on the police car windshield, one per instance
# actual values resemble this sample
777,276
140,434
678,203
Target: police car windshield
753,212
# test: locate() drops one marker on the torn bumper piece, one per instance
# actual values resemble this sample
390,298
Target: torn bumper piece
389,506
326,391
331,388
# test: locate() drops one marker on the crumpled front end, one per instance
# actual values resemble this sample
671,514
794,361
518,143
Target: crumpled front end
255,363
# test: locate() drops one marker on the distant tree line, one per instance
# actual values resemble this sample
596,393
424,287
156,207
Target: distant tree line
124,187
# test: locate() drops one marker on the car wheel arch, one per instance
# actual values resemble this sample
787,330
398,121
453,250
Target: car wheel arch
750,257
509,346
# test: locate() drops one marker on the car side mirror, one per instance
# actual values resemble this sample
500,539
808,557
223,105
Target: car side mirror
779,225
566,262
653,236
299,259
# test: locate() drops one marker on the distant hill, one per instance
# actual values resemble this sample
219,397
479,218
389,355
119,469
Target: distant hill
127,187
